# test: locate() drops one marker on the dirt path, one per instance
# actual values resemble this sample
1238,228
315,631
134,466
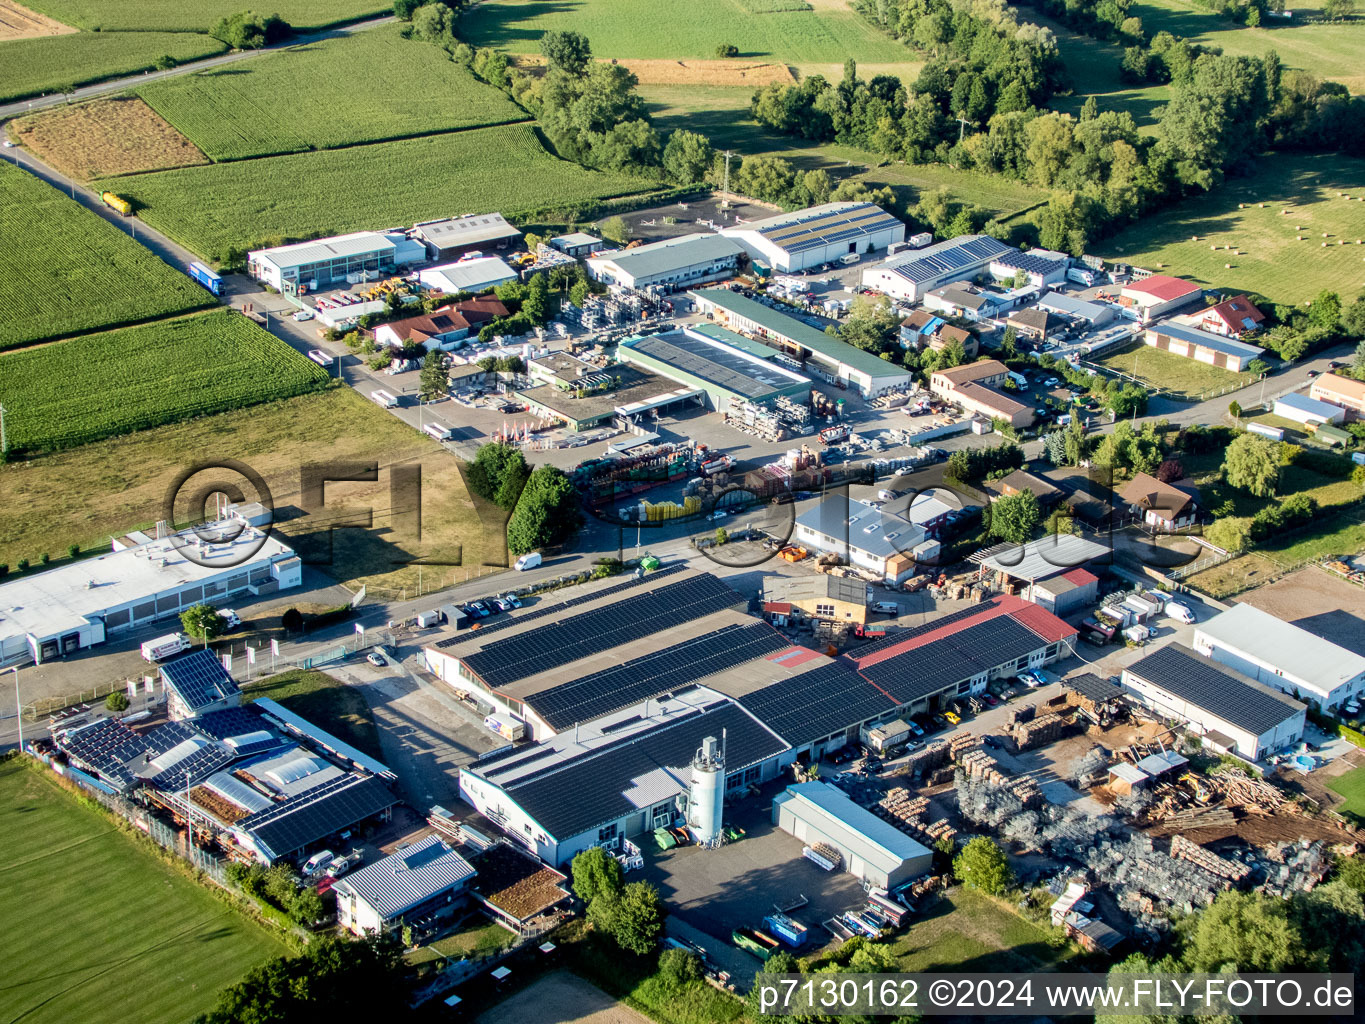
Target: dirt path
561,998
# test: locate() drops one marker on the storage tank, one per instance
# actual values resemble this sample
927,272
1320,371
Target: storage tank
706,795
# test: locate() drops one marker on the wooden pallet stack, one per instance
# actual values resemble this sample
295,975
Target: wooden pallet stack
962,745
1185,849
1044,729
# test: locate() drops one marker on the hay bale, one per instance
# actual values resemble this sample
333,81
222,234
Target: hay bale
1324,234
1241,206
1262,205
1324,245
1212,248
1195,238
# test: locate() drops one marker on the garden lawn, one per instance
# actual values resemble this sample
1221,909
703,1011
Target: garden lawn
1352,787
49,64
102,385
326,702
1175,373
684,28
109,932
397,88
478,937
223,210
123,481
1274,264
966,931
200,16
64,270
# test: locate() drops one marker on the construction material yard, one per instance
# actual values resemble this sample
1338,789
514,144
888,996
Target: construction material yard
136,940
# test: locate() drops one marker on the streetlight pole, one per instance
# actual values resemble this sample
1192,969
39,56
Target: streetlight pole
18,709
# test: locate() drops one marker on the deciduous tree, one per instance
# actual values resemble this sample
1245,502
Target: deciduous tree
1251,463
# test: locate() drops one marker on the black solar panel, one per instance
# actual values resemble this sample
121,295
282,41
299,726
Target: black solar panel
1208,685
599,629
817,703
336,805
590,790
951,659
553,607
592,696
901,635
231,722
199,678
105,747
1030,263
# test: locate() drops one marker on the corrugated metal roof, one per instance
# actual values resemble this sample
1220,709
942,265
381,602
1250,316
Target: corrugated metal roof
670,255
1302,403
1246,629
1049,556
818,226
957,254
1206,339
408,878
357,243
850,826
1073,306
479,227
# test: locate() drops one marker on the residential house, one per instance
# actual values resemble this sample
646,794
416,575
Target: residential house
1034,323
975,387
1167,507
442,328
1231,318
962,300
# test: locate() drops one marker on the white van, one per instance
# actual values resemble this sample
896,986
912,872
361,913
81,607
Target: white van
384,398
438,431
164,647
528,561
887,608
231,620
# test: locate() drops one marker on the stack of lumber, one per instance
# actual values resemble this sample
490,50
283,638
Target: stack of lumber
1184,849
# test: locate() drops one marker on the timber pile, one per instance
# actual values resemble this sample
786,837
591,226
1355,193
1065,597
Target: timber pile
925,761
908,813
1254,795
960,746
1183,849
1200,817
1027,735
980,765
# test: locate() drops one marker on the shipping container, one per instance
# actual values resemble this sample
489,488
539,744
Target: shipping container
1274,433
505,726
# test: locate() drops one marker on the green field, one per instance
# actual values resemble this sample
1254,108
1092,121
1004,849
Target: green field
1273,263
1327,50
213,209
397,88
1352,787
109,932
966,931
32,67
103,385
1175,373
326,702
179,16
683,28
64,270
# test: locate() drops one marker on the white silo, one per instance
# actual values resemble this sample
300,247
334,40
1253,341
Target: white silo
706,795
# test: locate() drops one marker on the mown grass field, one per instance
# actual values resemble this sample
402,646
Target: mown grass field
211,210
966,931
1352,787
1175,373
65,270
396,88
199,16
1327,50
122,481
115,382
32,67
1273,263
326,702
110,933
684,28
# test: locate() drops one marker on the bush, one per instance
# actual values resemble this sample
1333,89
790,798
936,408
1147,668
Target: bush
292,620
116,701
727,50
247,30
44,558
677,967
23,565
73,550
4,568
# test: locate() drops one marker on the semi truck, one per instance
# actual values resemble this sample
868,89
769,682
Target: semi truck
205,276
164,647
117,202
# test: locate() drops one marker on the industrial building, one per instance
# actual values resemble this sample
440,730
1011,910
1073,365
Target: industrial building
868,537
566,372
816,351
1280,654
672,265
824,596
1041,267
910,275
1157,295
727,372
1231,712
873,851
1092,314
419,879
1052,569
1202,346
1162,506
308,266
196,684
622,391
1308,411
976,388
454,237
1338,390
791,242
142,580
578,244
473,276
1034,323
258,788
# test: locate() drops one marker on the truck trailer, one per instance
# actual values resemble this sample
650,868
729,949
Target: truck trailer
206,277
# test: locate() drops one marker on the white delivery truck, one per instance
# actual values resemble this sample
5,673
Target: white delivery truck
1079,275
164,647
528,561
505,726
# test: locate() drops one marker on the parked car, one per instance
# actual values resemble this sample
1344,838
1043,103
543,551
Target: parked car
475,610
1312,374
338,866
1180,611
303,314
843,755
991,700
914,728
315,863
511,600
942,721
952,717
376,659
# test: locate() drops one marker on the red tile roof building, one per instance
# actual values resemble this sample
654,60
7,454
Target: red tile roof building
1232,317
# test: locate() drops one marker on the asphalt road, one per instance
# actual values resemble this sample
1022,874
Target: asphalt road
86,92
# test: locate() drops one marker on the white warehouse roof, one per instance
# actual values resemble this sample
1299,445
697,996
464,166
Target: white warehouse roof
468,275
1246,629
852,827
1309,408
66,597
339,247
408,878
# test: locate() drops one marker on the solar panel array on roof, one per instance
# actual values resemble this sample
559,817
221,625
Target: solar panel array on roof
294,823
199,679
106,746
810,705
956,257
952,658
598,694
227,722
714,364
552,607
586,792
211,757
598,629
829,228
900,636
1206,684
1030,263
